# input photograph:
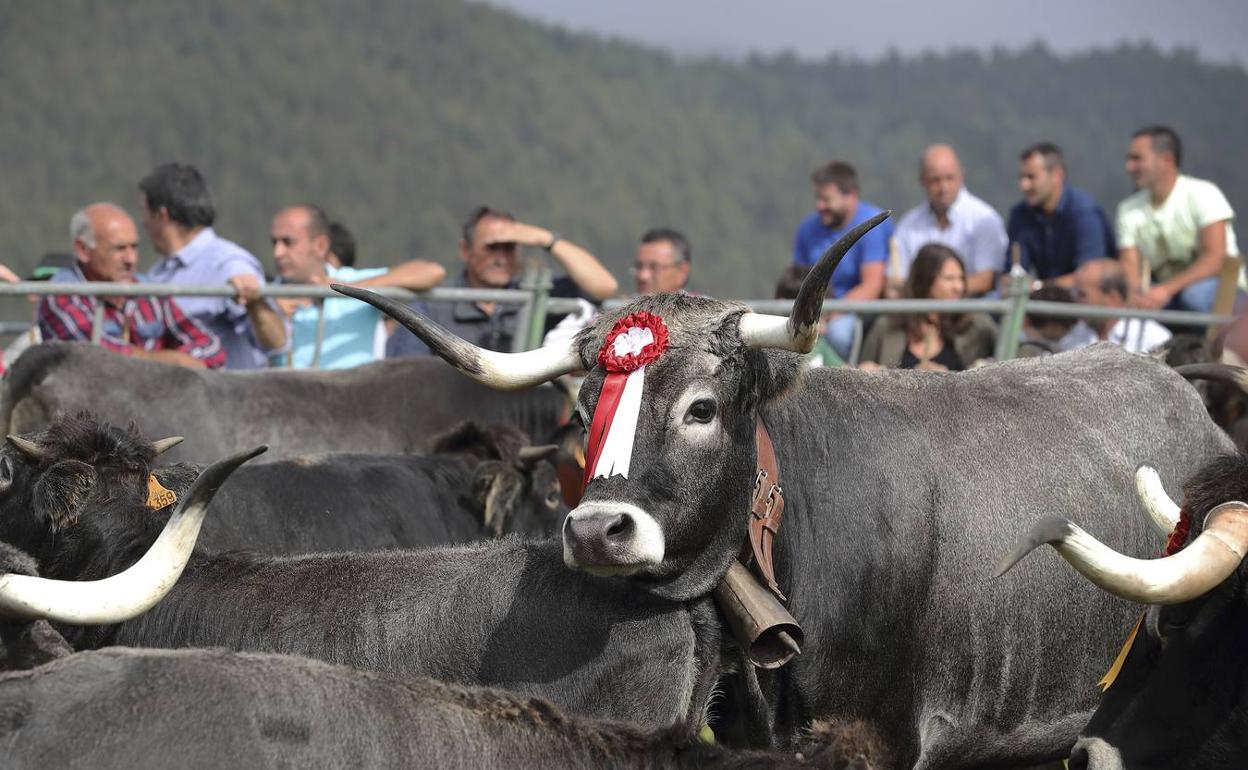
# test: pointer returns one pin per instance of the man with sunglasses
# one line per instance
(490, 250)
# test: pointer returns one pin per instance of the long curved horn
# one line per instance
(137, 589)
(504, 371)
(799, 331)
(165, 444)
(1162, 511)
(26, 447)
(1192, 572)
(1236, 376)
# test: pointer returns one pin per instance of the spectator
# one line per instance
(177, 213)
(1104, 282)
(663, 261)
(1042, 334)
(1057, 227)
(937, 342)
(1179, 225)
(341, 246)
(860, 275)
(955, 218)
(301, 241)
(788, 287)
(490, 248)
(106, 246)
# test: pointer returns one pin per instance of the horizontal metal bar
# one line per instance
(887, 306)
(1177, 317)
(559, 305)
(104, 289)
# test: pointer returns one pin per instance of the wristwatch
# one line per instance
(554, 238)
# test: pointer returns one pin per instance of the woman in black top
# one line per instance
(938, 342)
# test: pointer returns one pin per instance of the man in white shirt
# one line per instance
(953, 217)
(1177, 225)
(1103, 282)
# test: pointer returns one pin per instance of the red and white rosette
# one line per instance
(634, 341)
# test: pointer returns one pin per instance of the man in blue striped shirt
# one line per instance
(177, 213)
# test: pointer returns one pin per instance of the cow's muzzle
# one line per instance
(611, 538)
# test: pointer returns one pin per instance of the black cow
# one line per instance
(896, 484)
(504, 612)
(389, 407)
(1180, 699)
(140, 708)
(478, 483)
(132, 709)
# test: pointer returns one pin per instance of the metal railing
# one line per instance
(536, 304)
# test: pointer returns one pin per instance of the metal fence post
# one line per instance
(97, 322)
(1012, 323)
(528, 283)
(537, 321)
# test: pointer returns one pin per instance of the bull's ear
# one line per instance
(61, 491)
(498, 490)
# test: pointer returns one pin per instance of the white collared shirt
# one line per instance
(1133, 334)
(976, 232)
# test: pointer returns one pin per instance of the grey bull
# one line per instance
(391, 406)
(900, 488)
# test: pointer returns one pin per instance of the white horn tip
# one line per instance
(1161, 510)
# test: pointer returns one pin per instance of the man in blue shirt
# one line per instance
(346, 327)
(177, 213)
(861, 273)
(1057, 227)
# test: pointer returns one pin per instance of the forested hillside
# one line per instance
(398, 117)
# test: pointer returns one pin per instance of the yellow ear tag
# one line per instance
(1107, 681)
(157, 496)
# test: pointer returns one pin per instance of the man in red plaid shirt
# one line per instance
(106, 244)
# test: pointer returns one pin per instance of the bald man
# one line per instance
(951, 216)
(302, 236)
(1104, 282)
(106, 248)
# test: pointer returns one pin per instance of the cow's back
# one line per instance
(503, 613)
(900, 505)
(393, 406)
(343, 502)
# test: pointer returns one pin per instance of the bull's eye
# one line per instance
(702, 410)
(553, 499)
(6, 474)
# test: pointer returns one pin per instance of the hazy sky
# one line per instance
(1215, 28)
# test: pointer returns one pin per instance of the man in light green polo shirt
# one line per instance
(1180, 224)
(347, 327)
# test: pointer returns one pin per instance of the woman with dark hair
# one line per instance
(936, 342)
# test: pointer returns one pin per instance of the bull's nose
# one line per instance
(615, 539)
(609, 529)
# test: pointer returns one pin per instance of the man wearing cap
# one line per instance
(490, 249)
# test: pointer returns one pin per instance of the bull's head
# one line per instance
(1178, 699)
(515, 487)
(131, 592)
(50, 479)
(676, 519)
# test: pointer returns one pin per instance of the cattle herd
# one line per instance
(482, 568)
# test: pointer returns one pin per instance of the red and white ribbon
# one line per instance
(633, 342)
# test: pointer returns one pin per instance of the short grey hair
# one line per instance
(80, 228)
